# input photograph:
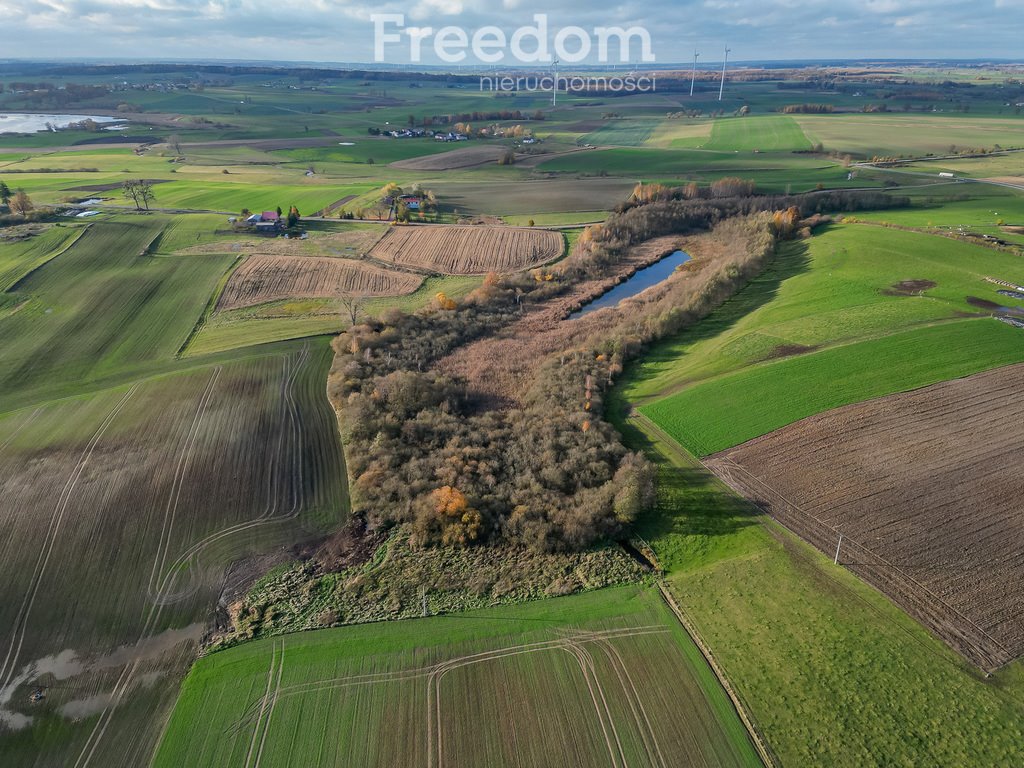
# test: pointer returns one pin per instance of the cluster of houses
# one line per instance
(419, 133)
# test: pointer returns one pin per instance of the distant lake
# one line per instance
(21, 122)
(641, 280)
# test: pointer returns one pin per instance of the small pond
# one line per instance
(23, 122)
(641, 280)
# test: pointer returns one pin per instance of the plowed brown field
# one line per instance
(264, 278)
(925, 488)
(471, 250)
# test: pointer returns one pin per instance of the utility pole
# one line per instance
(838, 545)
(693, 73)
(721, 87)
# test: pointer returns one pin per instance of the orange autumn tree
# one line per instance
(460, 523)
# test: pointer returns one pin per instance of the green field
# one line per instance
(832, 672)
(622, 133)
(102, 308)
(608, 676)
(838, 287)
(732, 409)
(892, 134)
(19, 258)
(778, 133)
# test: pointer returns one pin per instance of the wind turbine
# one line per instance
(693, 74)
(554, 89)
(721, 87)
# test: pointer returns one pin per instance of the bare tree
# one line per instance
(352, 308)
(139, 191)
(174, 142)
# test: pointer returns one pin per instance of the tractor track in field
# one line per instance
(604, 715)
(257, 714)
(270, 711)
(9, 665)
(163, 596)
(639, 711)
(182, 467)
(263, 704)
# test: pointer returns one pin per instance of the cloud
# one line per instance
(341, 30)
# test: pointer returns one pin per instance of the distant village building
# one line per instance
(268, 221)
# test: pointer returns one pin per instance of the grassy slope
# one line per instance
(833, 673)
(776, 133)
(827, 293)
(101, 307)
(20, 258)
(550, 713)
(729, 410)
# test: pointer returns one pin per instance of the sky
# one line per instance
(344, 30)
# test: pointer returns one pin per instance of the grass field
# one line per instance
(622, 133)
(840, 286)
(605, 677)
(887, 135)
(832, 672)
(777, 133)
(20, 258)
(102, 307)
(732, 409)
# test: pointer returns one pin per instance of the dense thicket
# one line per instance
(549, 473)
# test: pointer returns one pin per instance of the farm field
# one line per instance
(849, 282)
(263, 278)
(295, 319)
(166, 441)
(607, 677)
(923, 488)
(872, 135)
(530, 197)
(728, 410)
(778, 133)
(468, 250)
(165, 481)
(19, 258)
(102, 307)
(831, 670)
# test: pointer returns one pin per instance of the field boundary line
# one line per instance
(17, 283)
(211, 305)
(763, 751)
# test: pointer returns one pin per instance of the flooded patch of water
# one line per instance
(32, 122)
(87, 707)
